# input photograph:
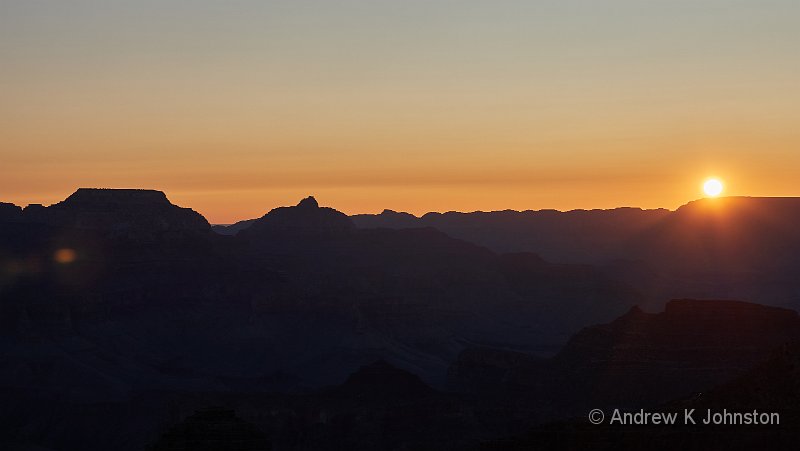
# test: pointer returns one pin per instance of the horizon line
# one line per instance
(389, 210)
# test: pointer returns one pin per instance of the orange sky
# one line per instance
(414, 106)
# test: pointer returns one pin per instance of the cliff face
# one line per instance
(771, 386)
(690, 331)
(644, 359)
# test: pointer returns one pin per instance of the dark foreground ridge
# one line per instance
(771, 387)
(638, 359)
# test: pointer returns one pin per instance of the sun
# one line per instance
(712, 187)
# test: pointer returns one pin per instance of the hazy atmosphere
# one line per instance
(254, 225)
(237, 107)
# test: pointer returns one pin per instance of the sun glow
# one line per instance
(712, 187)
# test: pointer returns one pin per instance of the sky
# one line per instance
(236, 107)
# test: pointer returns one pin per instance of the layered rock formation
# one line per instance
(109, 294)
(771, 387)
(642, 358)
(412, 296)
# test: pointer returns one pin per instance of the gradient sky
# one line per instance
(235, 107)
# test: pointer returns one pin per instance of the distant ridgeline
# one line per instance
(732, 233)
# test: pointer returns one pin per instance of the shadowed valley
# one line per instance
(136, 324)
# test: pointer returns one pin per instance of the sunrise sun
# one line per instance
(712, 187)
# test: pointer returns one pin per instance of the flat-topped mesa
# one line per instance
(120, 211)
(105, 197)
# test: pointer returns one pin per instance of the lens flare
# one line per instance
(64, 256)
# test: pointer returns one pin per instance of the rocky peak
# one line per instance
(389, 219)
(308, 203)
(306, 218)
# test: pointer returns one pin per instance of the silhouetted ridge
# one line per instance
(118, 211)
(731, 310)
(771, 386)
(213, 429)
(309, 203)
(382, 380)
(10, 212)
(730, 234)
(745, 204)
(306, 218)
(114, 198)
(720, 330)
(232, 229)
(577, 236)
(641, 358)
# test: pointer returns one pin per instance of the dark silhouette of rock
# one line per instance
(112, 303)
(485, 370)
(743, 247)
(731, 234)
(232, 229)
(121, 210)
(124, 213)
(710, 235)
(577, 236)
(643, 359)
(213, 429)
(306, 218)
(770, 387)
(309, 203)
(380, 380)
(9, 212)
(714, 234)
